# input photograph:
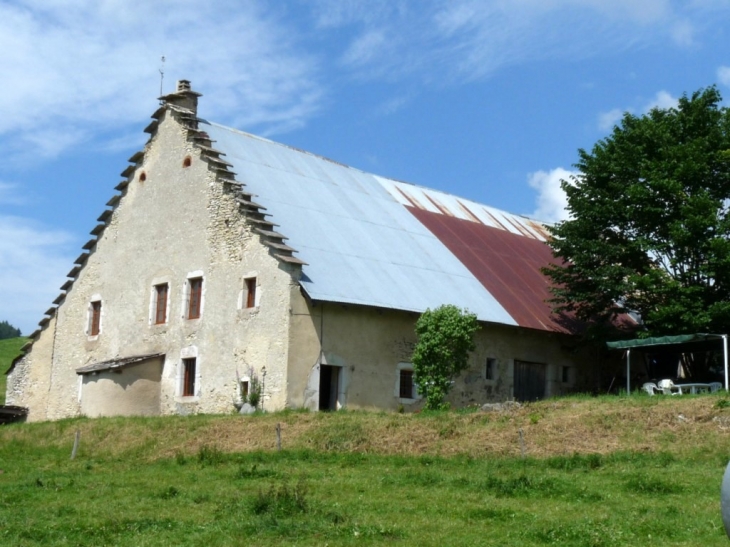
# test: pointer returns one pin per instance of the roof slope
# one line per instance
(379, 242)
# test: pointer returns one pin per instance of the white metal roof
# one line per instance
(360, 243)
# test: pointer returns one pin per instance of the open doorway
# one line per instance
(329, 387)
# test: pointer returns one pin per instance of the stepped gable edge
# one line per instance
(182, 104)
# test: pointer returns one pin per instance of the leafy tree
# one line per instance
(8, 331)
(445, 338)
(649, 226)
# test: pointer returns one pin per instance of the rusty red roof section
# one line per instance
(505, 263)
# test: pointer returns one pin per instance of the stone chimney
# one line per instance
(183, 97)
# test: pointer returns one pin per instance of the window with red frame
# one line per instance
(188, 386)
(251, 292)
(196, 297)
(95, 318)
(161, 292)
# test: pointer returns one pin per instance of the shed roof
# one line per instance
(117, 363)
(677, 343)
(379, 242)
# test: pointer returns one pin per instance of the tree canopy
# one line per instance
(8, 331)
(649, 226)
(445, 338)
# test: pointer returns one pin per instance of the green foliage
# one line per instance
(650, 225)
(254, 394)
(8, 331)
(255, 388)
(445, 338)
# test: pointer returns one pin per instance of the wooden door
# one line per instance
(529, 381)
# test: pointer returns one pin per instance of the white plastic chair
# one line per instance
(668, 387)
(651, 388)
(715, 386)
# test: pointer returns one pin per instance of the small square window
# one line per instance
(95, 318)
(188, 380)
(250, 292)
(490, 372)
(160, 309)
(195, 298)
(406, 384)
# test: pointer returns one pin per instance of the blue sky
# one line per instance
(485, 99)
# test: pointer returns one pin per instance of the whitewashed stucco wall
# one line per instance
(176, 222)
(369, 344)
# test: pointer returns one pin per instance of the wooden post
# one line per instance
(77, 438)
(278, 437)
(522, 444)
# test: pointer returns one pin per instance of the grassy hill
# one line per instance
(576, 471)
(596, 472)
(9, 350)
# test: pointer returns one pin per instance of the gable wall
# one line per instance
(178, 221)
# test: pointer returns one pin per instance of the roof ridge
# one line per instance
(380, 177)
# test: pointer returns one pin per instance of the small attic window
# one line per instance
(142, 176)
(187, 162)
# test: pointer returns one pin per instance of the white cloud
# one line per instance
(393, 105)
(662, 100)
(723, 75)
(551, 199)
(606, 120)
(469, 39)
(34, 262)
(364, 48)
(9, 195)
(683, 34)
(73, 69)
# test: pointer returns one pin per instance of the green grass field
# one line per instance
(596, 472)
(131, 497)
(9, 350)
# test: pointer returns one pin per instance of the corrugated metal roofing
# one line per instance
(379, 242)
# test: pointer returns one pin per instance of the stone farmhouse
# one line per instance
(225, 257)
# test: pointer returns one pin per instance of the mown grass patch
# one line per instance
(317, 497)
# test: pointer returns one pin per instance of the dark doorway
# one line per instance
(329, 386)
(529, 381)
